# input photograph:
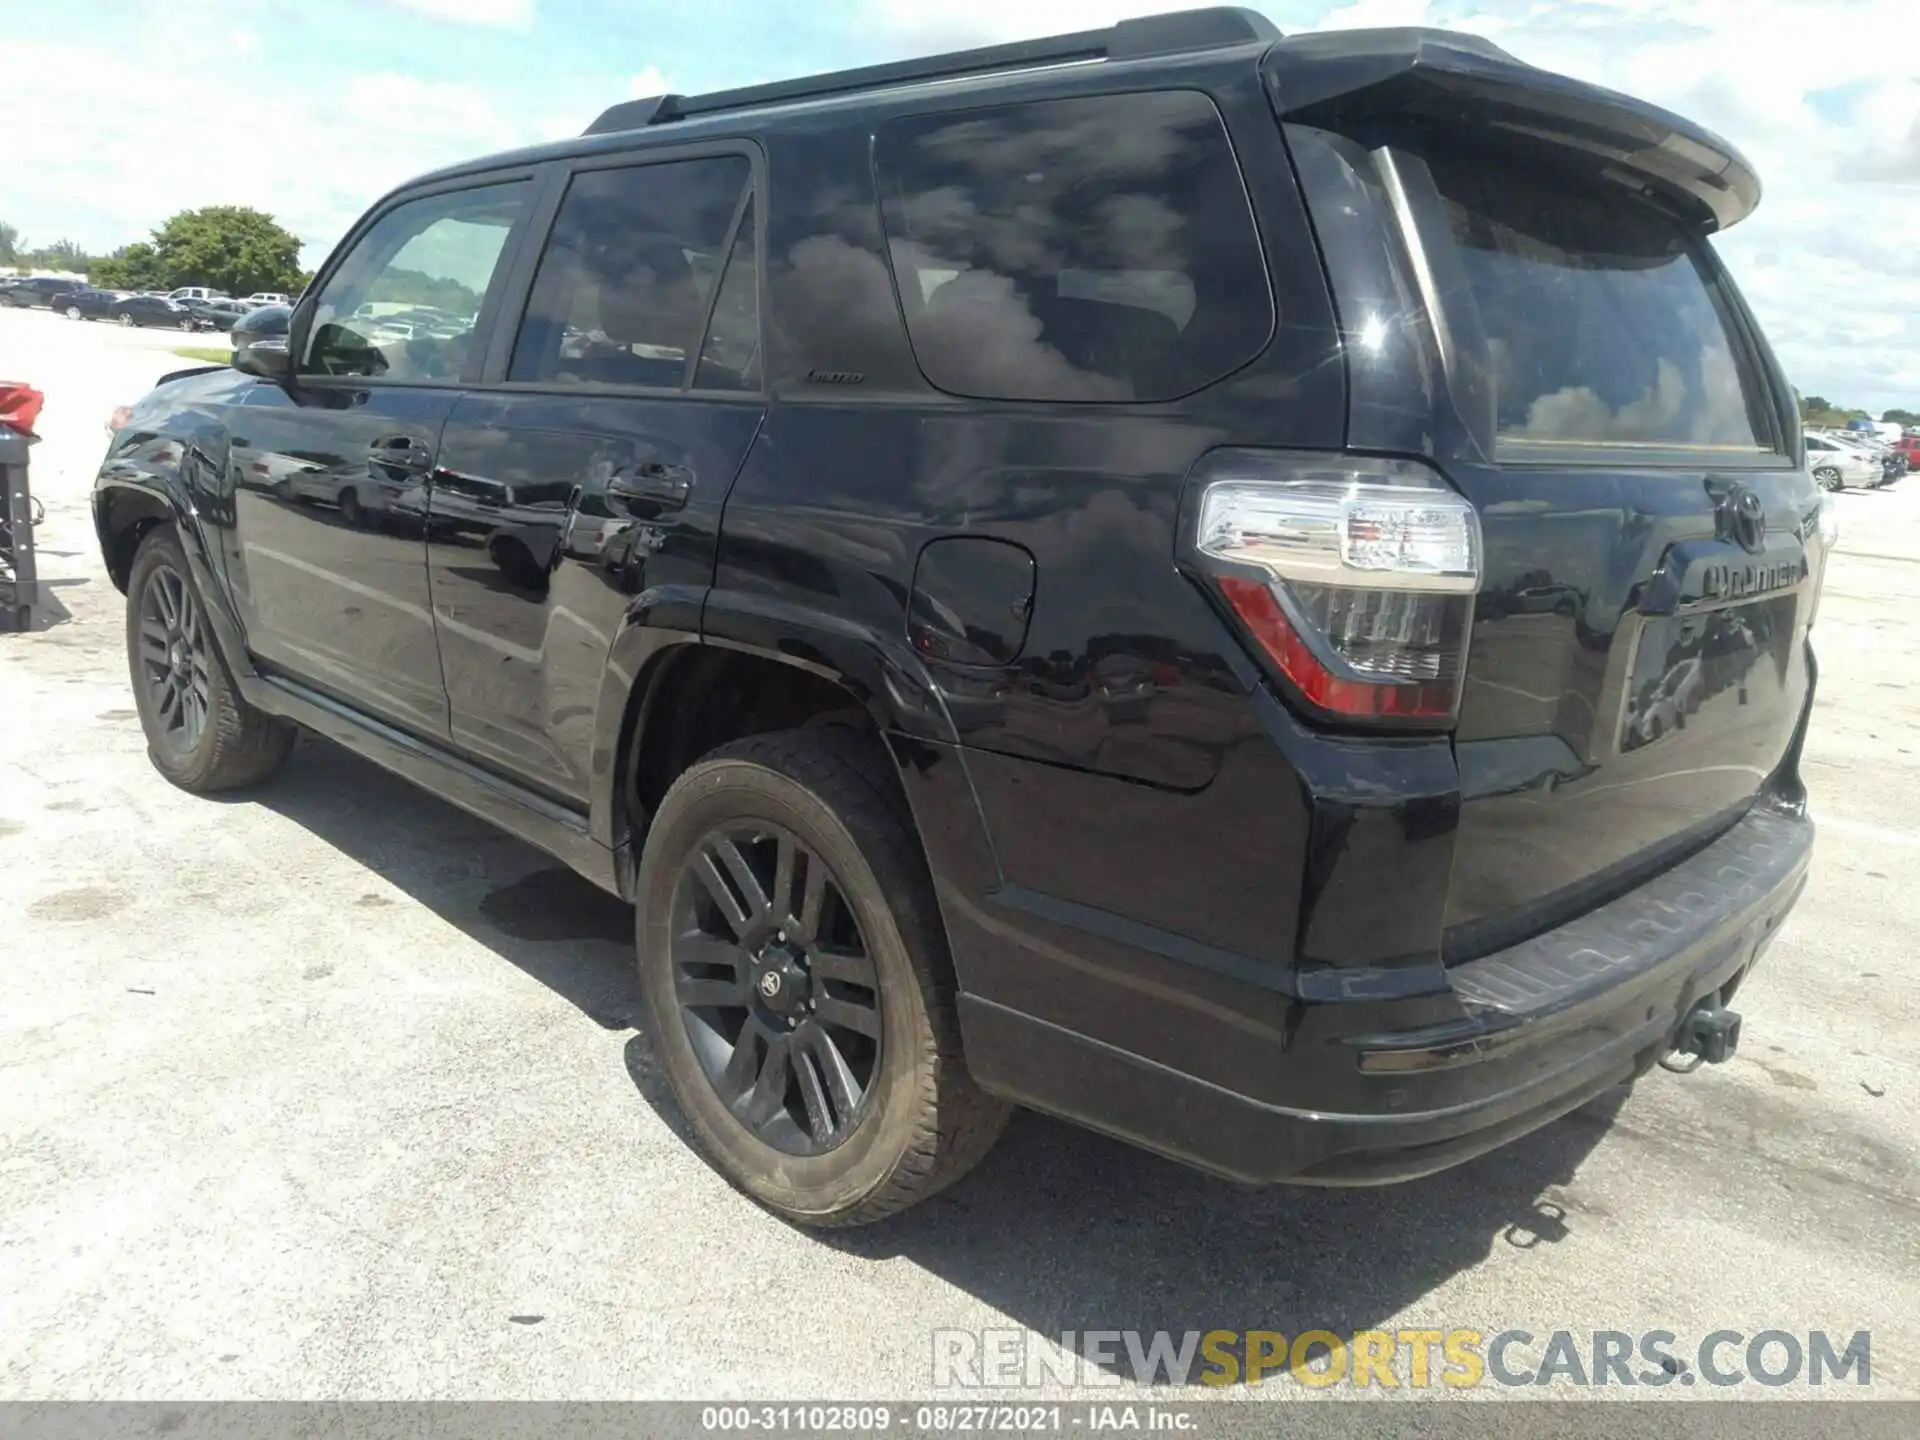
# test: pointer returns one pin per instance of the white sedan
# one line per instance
(1837, 466)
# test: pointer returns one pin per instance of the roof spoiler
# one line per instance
(1220, 27)
(1355, 81)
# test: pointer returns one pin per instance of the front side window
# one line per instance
(625, 283)
(1605, 324)
(404, 303)
(1086, 249)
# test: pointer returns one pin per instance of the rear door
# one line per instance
(1638, 661)
(590, 467)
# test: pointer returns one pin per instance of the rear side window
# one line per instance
(1604, 324)
(629, 275)
(1097, 249)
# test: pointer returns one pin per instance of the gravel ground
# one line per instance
(330, 1091)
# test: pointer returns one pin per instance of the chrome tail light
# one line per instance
(1353, 578)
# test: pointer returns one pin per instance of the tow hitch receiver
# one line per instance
(1710, 1034)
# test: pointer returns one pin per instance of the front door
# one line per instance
(329, 561)
(593, 469)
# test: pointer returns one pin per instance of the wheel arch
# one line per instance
(122, 516)
(674, 692)
(127, 507)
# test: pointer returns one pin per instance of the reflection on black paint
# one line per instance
(1090, 249)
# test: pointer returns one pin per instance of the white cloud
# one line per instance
(315, 166)
(648, 83)
(1819, 94)
(506, 14)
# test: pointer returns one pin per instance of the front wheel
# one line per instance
(201, 734)
(1829, 478)
(798, 985)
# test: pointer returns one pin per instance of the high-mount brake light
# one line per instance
(1354, 577)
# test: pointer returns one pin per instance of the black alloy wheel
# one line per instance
(776, 987)
(175, 662)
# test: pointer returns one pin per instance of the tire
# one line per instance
(232, 744)
(73, 313)
(920, 1122)
(187, 324)
(1829, 478)
(351, 509)
(125, 318)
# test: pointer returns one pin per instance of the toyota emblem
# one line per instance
(1743, 517)
(770, 984)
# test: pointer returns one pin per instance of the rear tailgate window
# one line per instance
(1605, 323)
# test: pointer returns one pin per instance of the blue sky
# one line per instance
(310, 110)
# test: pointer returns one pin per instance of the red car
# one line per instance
(1908, 446)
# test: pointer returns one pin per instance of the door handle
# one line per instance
(401, 452)
(664, 487)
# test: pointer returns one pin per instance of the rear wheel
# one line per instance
(125, 317)
(798, 984)
(350, 508)
(184, 323)
(1829, 478)
(200, 734)
(73, 312)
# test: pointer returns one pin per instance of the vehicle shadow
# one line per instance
(1065, 1232)
(519, 902)
(1059, 1229)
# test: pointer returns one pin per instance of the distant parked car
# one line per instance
(1837, 466)
(153, 310)
(194, 292)
(1892, 464)
(267, 297)
(37, 292)
(84, 302)
(221, 314)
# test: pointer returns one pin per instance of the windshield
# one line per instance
(1603, 324)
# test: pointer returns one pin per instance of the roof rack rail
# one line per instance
(1172, 34)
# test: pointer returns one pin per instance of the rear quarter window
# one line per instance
(1093, 249)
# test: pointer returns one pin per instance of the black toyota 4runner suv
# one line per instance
(1250, 592)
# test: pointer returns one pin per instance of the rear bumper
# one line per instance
(1535, 1031)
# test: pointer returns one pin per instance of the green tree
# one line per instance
(229, 247)
(131, 267)
(9, 244)
(1811, 403)
(415, 287)
(1900, 417)
(61, 255)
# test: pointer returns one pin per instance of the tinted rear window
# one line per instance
(1085, 249)
(1604, 323)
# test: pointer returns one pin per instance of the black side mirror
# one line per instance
(260, 343)
(267, 358)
